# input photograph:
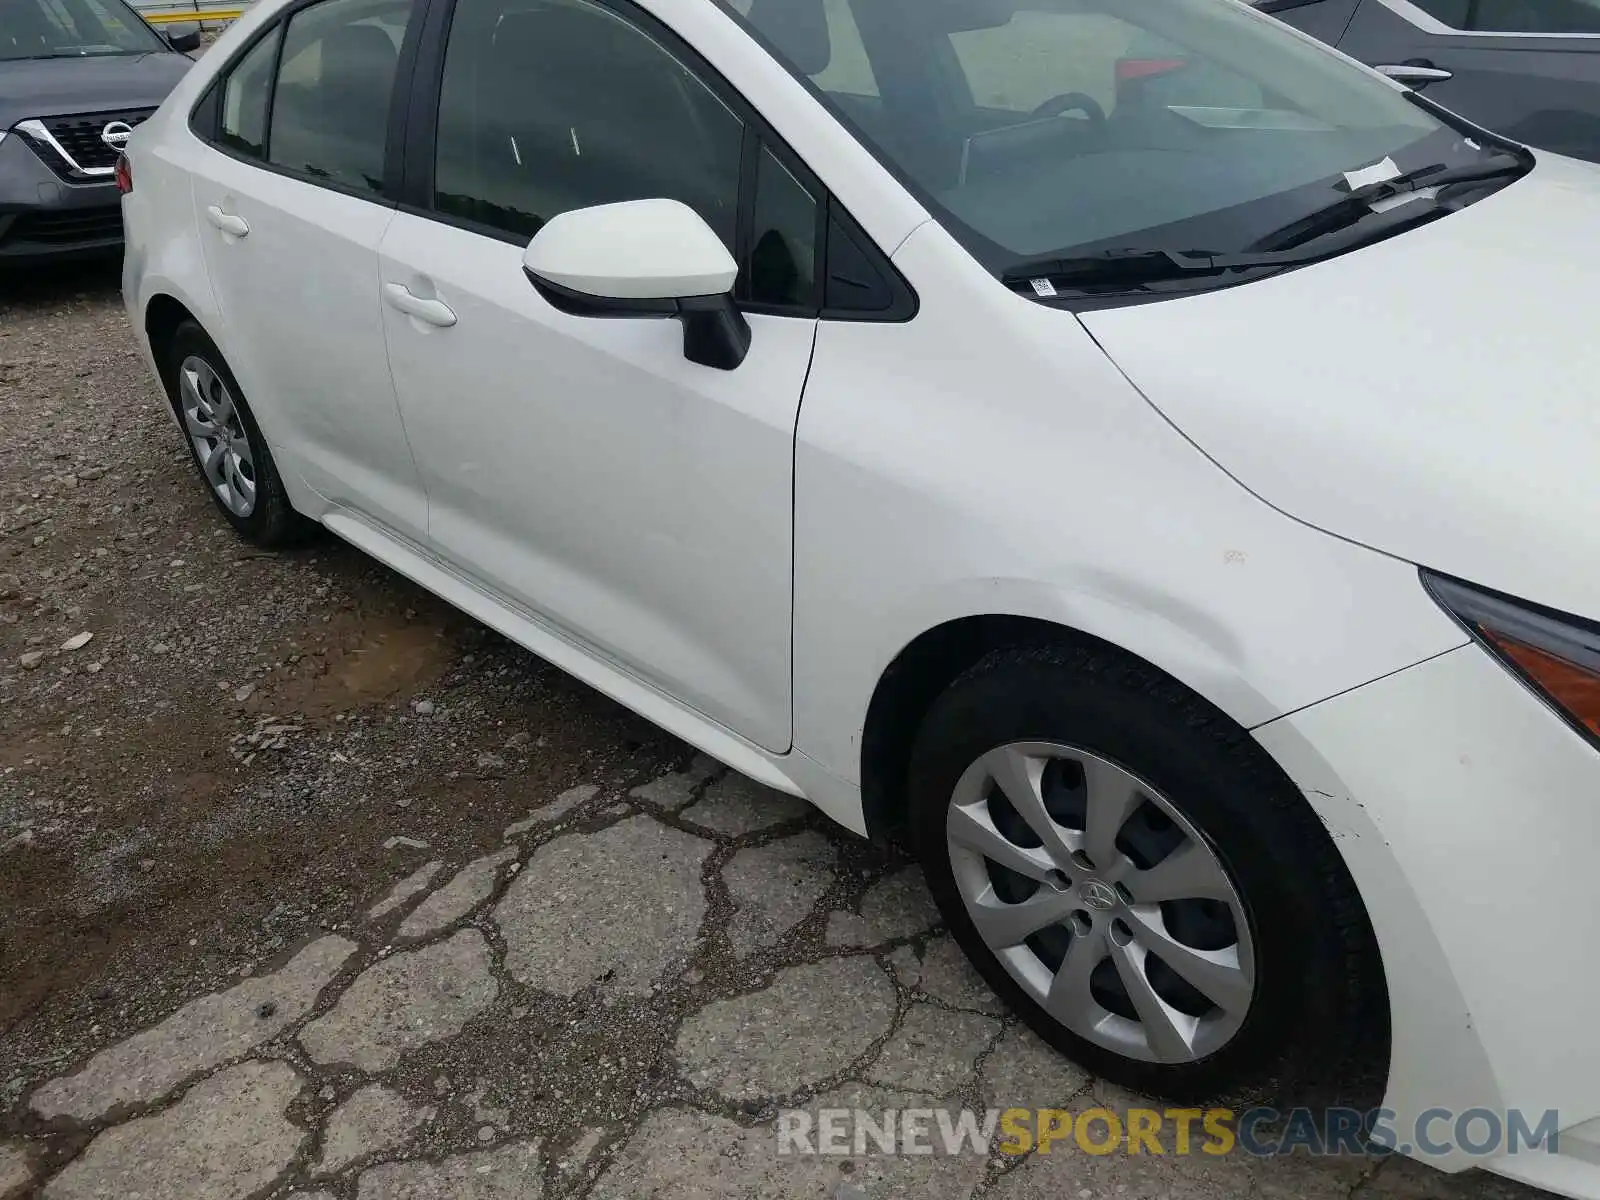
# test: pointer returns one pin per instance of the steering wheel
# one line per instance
(1069, 101)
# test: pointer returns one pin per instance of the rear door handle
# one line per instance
(434, 312)
(1415, 74)
(229, 224)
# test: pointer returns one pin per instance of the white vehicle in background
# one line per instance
(1173, 506)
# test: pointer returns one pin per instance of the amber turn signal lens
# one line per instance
(1572, 688)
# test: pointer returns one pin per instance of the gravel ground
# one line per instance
(310, 882)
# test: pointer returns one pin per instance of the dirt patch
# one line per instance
(148, 847)
(353, 660)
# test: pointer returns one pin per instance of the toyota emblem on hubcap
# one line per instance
(1097, 895)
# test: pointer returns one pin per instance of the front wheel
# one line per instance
(1136, 877)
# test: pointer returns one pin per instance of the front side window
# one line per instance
(1048, 129)
(781, 267)
(1516, 16)
(72, 29)
(330, 103)
(553, 105)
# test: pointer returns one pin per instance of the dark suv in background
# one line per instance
(75, 77)
(1529, 69)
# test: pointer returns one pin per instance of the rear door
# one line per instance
(1529, 69)
(291, 205)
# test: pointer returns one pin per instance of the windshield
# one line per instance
(72, 29)
(1056, 128)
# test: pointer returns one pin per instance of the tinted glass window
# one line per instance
(330, 109)
(1451, 12)
(244, 98)
(782, 265)
(71, 29)
(1535, 16)
(1516, 16)
(560, 104)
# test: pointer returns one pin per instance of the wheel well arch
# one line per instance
(936, 658)
(162, 317)
(927, 665)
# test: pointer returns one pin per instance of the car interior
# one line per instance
(1045, 123)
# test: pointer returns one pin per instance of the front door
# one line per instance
(583, 468)
(289, 205)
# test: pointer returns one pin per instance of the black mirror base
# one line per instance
(715, 332)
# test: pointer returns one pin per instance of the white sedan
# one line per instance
(1137, 455)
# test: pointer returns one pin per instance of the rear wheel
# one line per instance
(1129, 870)
(226, 444)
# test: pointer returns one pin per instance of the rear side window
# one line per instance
(244, 99)
(561, 104)
(1517, 16)
(330, 104)
(1451, 12)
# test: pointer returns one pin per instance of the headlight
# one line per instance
(1555, 654)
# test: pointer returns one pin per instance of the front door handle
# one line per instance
(1417, 75)
(229, 224)
(434, 312)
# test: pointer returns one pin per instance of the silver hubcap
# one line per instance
(1102, 901)
(217, 432)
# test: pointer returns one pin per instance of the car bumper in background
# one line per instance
(1469, 815)
(43, 217)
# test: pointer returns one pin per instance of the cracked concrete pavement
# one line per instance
(315, 889)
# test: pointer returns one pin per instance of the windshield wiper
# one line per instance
(1129, 269)
(1129, 266)
(1356, 204)
(72, 54)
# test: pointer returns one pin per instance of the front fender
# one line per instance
(987, 458)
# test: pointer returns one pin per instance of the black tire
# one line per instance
(1317, 1026)
(273, 523)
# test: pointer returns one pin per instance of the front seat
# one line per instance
(798, 29)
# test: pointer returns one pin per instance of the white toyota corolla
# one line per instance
(1144, 457)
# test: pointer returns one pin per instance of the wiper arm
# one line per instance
(1357, 204)
(1307, 240)
(1130, 265)
(1132, 268)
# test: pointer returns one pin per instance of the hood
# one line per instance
(1435, 396)
(58, 87)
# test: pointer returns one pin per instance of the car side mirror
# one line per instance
(183, 39)
(644, 258)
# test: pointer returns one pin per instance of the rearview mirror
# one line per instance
(183, 38)
(644, 258)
